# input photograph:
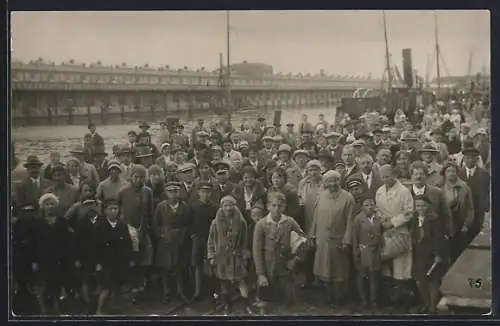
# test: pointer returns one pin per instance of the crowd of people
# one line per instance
(373, 210)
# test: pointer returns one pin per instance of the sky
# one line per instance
(339, 42)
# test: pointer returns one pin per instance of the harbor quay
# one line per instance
(68, 93)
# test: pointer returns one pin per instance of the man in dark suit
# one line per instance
(96, 140)
(254, 161)
(223, 186)
(350, 134)
(101, 163)
(367, 174)
(29, 190)
(186, 173)
(349, 158)
(199, 154)
(419, 187)
(179, 138)
(377, 143)
(333, 147)
(478, 180)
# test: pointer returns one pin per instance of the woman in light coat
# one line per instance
(395, 205)
(332, 228)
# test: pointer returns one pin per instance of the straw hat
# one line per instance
(296, 241)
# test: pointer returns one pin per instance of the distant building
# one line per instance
(463, 81)
(252, 70)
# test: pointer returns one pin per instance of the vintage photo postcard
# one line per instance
(250, 163)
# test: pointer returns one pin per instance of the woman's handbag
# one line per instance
(395, 244)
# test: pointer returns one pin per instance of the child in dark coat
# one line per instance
(22, 257)
(428, 253)
(82, 217)
(367, 245)
(170, 224)
(53, 254)
(201, 215)
(113, 251)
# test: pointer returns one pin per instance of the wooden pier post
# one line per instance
(71, 120)
(137, 113)
(89, 114)
(49, 115)
(153, 112)
(102, 115)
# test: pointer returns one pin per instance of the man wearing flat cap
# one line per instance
(200, 154)
(301, 157)
(307, 142)
(357, 187)
(186, 174)
(266, 153)
(333, 146)
(199, 127)
(125, 156)
(223, 186)
(136, 207)
(429, 155)
(437, 136)
(179, 138)
(110, 187)
(290, 135)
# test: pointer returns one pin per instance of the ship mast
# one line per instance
(387, 60)
(427, 70)
(437, 57)
(469, 68)
(228, 69)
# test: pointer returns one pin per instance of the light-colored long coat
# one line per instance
(308, 195)
(332, 226)
(228, 245)
(396, 206)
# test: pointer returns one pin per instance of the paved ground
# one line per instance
(312, 303)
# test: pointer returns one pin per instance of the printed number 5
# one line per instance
(476, 283)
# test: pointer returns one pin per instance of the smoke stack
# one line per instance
(407, 68)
